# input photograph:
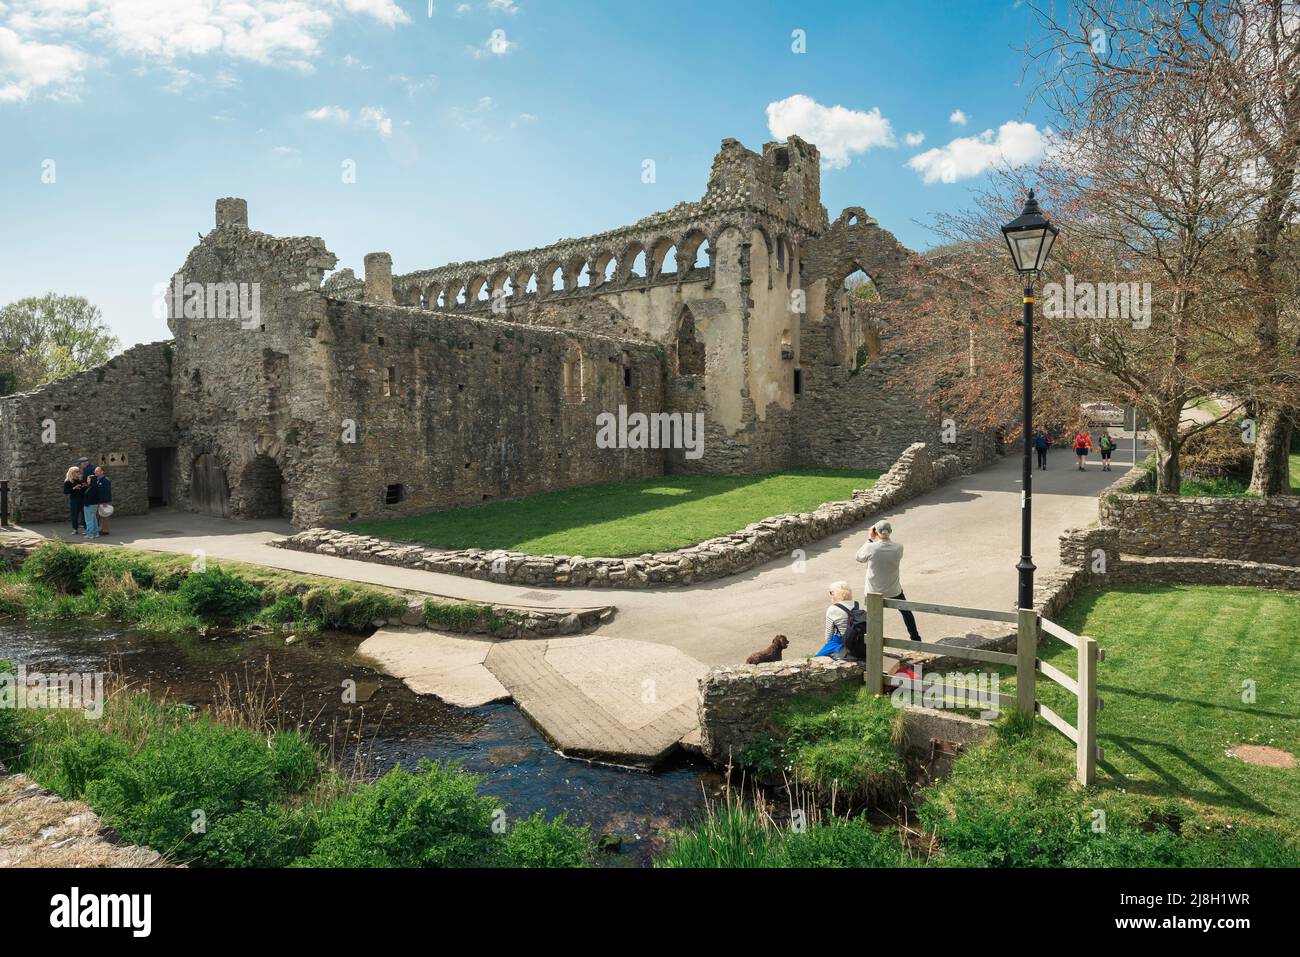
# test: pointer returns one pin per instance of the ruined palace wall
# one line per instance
(477, 409)
(111, 414)
(251, 394)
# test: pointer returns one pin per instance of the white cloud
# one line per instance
(503, 6)
(958, 118)
(283, 150)
(914, 139)
(1014, 145)
(414, 85)
(27, 66)
(330, 114)
(835, 130)
(377, 119)
(285, 33)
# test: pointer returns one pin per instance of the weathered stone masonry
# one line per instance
(111, 414)
(326, 400)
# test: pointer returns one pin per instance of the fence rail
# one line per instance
(1030, 626)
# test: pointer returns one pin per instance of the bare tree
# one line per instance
(1242, 57)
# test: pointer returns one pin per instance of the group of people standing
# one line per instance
(1082, 446)
(90, 498)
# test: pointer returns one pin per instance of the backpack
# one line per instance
(1107, 443)
(855, 636)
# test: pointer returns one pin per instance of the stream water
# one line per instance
(386, 725)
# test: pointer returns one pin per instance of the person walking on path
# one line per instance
(75, 489)
(104, 486)
(1041, 444)
(883, 558)
(1082, 446)
(1107, 445)
(91, 509)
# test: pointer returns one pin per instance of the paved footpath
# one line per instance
(962, 542)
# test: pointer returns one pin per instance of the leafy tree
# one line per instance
(45, 337)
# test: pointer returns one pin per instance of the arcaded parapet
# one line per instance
(113, 414)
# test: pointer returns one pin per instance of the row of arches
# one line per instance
(634, 264)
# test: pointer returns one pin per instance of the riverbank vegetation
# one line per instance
(625, 518)
(229, 789)
(1192, 674)
(167, 593)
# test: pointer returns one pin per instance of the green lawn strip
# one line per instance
(163, 593)
(626, 518)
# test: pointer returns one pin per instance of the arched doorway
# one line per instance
(261, 490)
(208, 489)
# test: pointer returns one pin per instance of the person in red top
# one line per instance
(1082, 445)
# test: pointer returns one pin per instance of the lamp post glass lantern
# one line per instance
(1029, 238)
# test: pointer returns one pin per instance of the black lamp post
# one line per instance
(1029, 237)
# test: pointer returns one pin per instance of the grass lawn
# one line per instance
(625, 518)
(1177, 659)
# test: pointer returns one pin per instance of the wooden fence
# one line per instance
(1029, 626)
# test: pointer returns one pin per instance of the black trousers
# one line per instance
(1042, 458)
(908, 618)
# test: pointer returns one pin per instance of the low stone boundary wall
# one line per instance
(1174, 526)
(1094, 556)
(913, 474)
(736, 704)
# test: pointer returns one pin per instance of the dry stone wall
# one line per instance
(736, 704)
(912, 475)
(1264, 530)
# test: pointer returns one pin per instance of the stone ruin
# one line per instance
(325, 400)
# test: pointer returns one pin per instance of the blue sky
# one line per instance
(491, 125)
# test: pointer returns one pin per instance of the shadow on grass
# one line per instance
(511, 523)
(1227, 795)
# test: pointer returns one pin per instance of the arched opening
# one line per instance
(584, 273)
(664, 259)
(555, 273)
(208, 489)
(859, 331)
(441, 299)
(606, 267)
(262, 490)
(703, 256)
(530, 285)
(638, 265)
(478, 289)
(689, 350)
(461, 296)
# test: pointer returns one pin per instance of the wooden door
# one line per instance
(208, 490)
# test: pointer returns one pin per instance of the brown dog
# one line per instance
(771, 653)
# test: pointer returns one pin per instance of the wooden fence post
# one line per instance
(1026, 659)
(875, 663)
(1086, 722)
